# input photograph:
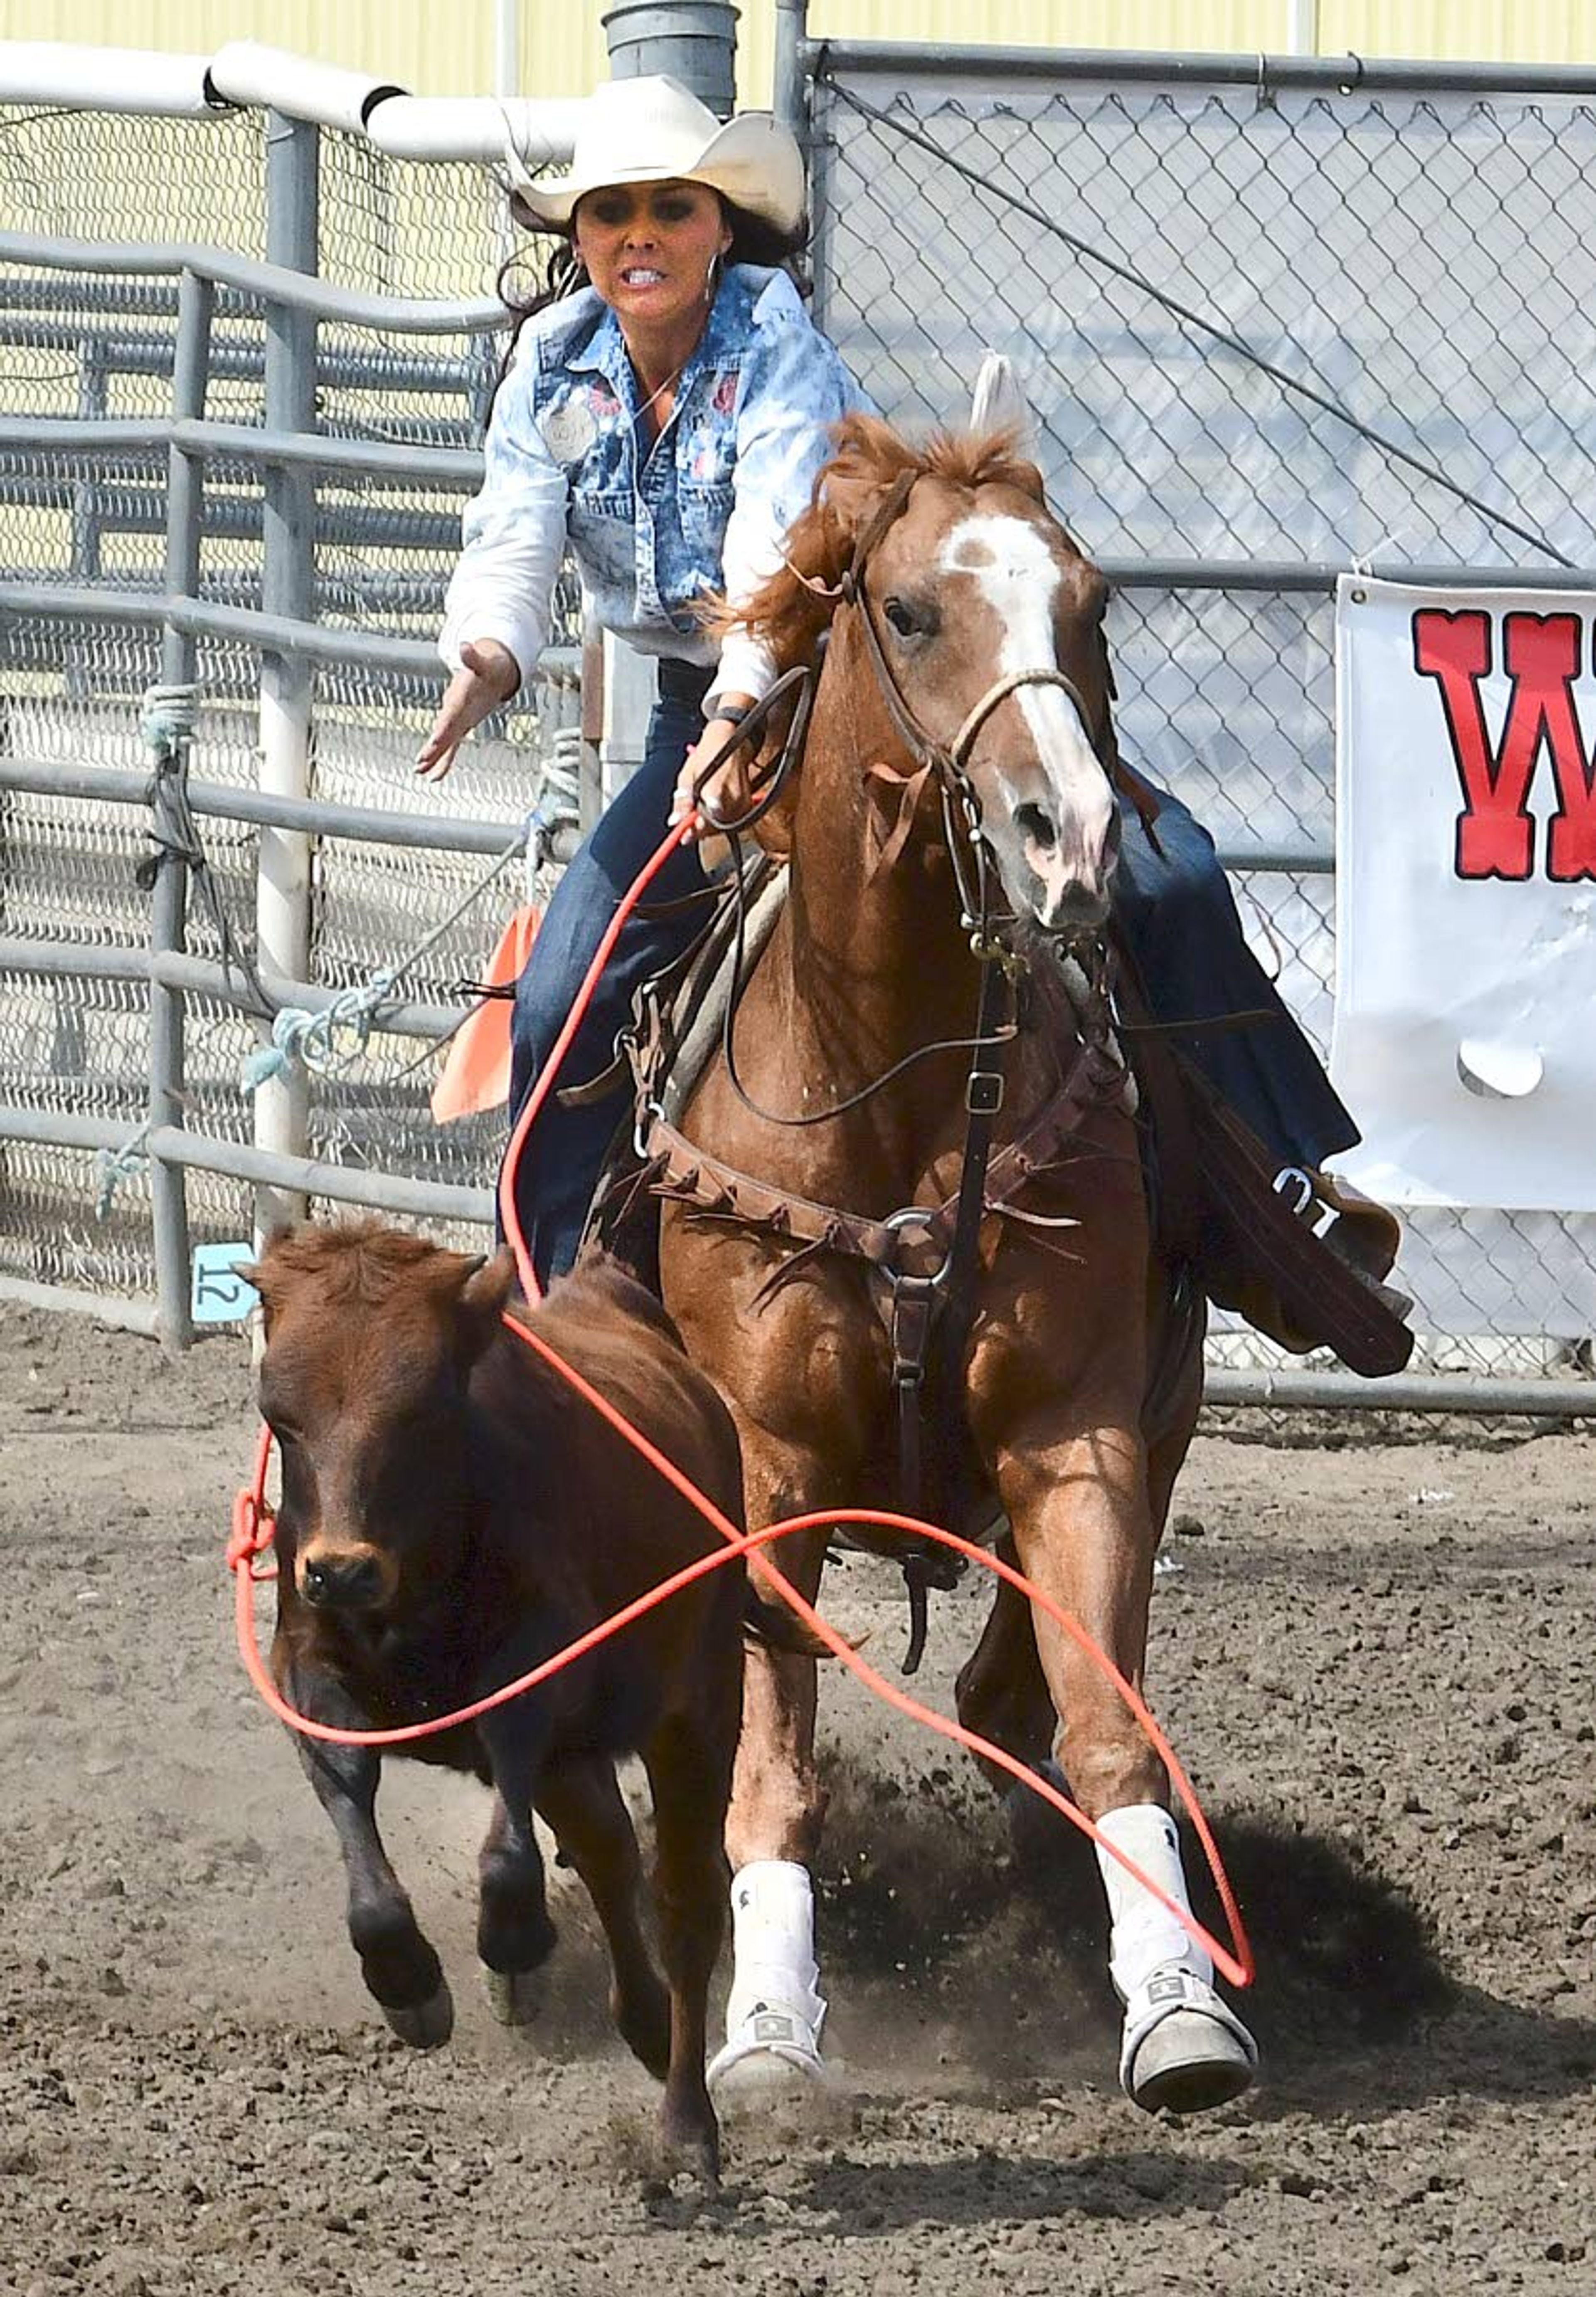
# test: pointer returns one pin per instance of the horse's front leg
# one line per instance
(1084, 1531)
(400, 1968)
(774, 2013)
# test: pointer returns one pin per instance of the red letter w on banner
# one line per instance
(1540, 655)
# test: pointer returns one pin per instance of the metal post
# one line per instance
(507, 48)
(168, 1197)
(789, 97)
(169, 906)
(1301, 28)
(288, 580)
(93, 399)
(695, 41)
(629, 698)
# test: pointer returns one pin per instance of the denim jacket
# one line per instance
(652, 530)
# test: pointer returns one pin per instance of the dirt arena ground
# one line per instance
(1377, 1661)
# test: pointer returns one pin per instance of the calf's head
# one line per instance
(370, 1338)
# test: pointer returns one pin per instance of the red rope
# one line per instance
(253, 1527)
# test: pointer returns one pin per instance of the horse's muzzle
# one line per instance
(1071, 882)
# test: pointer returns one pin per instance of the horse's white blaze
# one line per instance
(1018, 577)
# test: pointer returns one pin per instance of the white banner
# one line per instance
(1465, 1030)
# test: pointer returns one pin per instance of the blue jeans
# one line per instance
(1180, 920)
(1176, 909)
(566, 1146)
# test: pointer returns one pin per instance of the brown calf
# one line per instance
(452, 1514)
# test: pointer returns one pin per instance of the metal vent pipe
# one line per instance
(695, 41)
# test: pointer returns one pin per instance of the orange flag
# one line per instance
(476, 1075)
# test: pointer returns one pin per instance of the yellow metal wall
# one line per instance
(446, 46)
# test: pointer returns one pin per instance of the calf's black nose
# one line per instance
(335, 1582)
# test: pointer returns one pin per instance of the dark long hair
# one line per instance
(524, 291)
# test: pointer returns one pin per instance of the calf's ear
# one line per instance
(482, 1298)
(263, 1274)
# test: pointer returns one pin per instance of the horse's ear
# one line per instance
(1000, 411)
(998, 403)
(482, 1298)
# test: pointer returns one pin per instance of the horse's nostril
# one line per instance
(1033, 823)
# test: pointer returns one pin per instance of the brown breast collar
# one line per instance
(905, 1242)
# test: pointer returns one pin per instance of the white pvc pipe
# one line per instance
(248, 71)
(104, 79)
(541, 129)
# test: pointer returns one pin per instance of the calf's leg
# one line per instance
(400, 1970)
(514, 1935)
(689, 1761)
(582, 1803)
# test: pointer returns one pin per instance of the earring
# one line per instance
(711, 277)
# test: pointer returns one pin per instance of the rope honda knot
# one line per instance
(254, 1526)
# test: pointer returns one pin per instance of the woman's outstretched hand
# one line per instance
(487, 677)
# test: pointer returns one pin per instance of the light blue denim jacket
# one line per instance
(706, 509)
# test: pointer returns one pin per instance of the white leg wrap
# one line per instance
(1201, 2053)
(774, 2011)
(1144, 1935)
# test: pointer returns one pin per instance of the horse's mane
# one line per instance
(362, 1262)
(869, 458)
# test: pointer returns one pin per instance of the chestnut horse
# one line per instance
(964, 661)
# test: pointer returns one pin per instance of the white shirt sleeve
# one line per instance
(794, 388)
(514, 535)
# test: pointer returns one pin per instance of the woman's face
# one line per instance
(649, 249)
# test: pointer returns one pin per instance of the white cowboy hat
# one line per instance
(652, 129)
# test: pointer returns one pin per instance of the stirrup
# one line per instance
(1183, 2048)
(1364, 1234)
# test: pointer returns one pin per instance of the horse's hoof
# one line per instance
(1185, 2050)
(771, 2059)
(425, 2025)
(690, 2147)
(514, 1996)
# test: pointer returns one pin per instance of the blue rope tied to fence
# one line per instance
(326, 1041)
(119, 1165)
(169, 716)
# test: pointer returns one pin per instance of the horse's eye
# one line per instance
(901, 617)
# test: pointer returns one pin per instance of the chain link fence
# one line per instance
(1267, 329)
(89, 346)
(1267, 332)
